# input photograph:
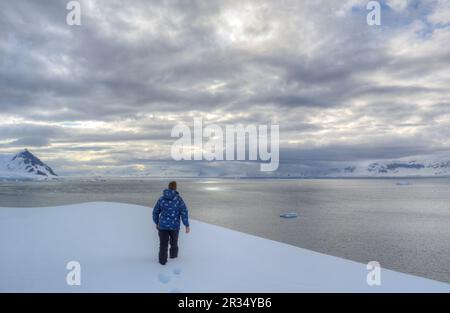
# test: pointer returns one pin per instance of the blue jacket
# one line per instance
(168, 211)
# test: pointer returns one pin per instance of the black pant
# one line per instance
(164, 237)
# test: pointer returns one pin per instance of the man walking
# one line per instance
(166, 215)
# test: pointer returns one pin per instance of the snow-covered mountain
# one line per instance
(395, 168)
(24, 165)
(386, 168)
(391, 168)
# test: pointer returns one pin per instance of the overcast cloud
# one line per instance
(106, 94)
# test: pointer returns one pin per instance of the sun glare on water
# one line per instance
(212, 188)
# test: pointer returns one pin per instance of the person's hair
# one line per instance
(173, 185)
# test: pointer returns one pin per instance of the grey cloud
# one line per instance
(318, 72)
(353, 153)
(35, 141)
(18, 130)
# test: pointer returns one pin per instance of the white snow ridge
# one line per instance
(116, 246)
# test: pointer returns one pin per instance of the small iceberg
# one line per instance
(289, 215)
(403, 183)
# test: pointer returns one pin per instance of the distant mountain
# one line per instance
(367, 169)
(363, 169)
(24, 165)
(397, 168)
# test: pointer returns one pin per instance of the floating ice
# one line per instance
(289, 215)
(403, 183)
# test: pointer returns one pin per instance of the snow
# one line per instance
(5, 172)
(15, 167)
(116, 246)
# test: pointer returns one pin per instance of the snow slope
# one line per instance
(116, 245)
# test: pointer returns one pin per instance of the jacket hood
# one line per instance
(169, 194)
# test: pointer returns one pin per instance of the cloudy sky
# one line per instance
(105, 95)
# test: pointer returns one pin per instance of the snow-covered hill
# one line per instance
(24, 165)
(116, 247)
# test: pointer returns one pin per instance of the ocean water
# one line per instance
(404, 227)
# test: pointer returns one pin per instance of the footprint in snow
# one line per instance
(163, 278)
(166, 278)
(177, 271)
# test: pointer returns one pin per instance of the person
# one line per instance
(166, 215)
